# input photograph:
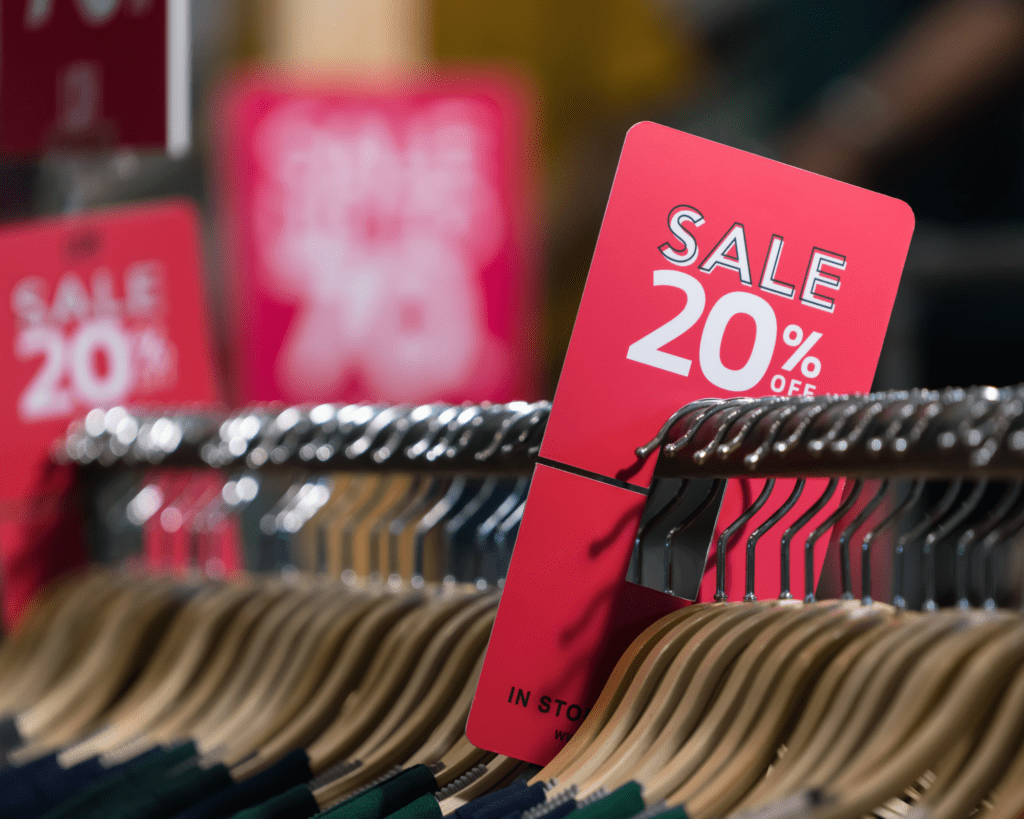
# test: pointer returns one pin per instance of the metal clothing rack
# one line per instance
(975, 433)
(971, 433)
(492, 439)
(956, 447)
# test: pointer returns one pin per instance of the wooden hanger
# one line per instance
(372, 653)
(238, 653)
(614, 690)
(752, 740)
(306, 542)
(71, 707)
(310, 661)
(362, 491)
(1007, 795)
(678, 729)
(822, 749)
(689, 683)
(383, 556)
(402, 532)
(386, 748)
(367, 626)
(297, 638)
(408, 671)
(667, 765)
(77, 623)
(452, 726)
(263, 661)
(919, 690)
(37, 622)
(175, 663)
(980, 681)
(393, 492)
(688, 638)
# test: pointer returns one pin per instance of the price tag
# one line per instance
(380, 240)
(103, 73)
(98, 310)
(716, 273)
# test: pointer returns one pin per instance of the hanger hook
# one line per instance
(940, 533)
(897, 513)
(797, 525)
(540, 412)
(725, 423)
(859, 425)
(517, 411)
(697, 423)
(805, 416)
(899, 553)
(847, 535)
(732, 529)
(852, 404)
(997, 536)
(753, 415)
(815, 534)
(682, 526)
(998, 513)
(645, 451)
(760, 531)
(751, 459)
(652, 523)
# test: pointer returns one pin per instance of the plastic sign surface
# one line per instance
(98, 310)
(379, 236)
(716, 273)
(104, 73)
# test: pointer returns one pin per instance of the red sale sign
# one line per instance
(103, 73)
(380, 242)
(716, 273)
(99, 310)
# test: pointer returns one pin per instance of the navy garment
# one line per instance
(291, 770)
(178, 790)
(9, 776)
(481, 803)
(46, 786)
(516, 798)
(128, 778)
(10, 736)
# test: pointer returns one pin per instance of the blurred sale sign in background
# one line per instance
(104, 73)
(380, 241)
(99, 310)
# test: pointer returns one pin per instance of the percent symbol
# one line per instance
(810, 366)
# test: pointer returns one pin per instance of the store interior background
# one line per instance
(922, 99)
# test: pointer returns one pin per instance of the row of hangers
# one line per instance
(843, 707)
(364, 678)
(352, 490)
(360, 640)
(768, 708)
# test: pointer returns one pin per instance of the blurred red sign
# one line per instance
(103, 73)
(379, 238)
(99, 310)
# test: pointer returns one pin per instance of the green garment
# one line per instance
(387, 797)
(426, 807)
(294, 803)
(621, 803)
(174, 793)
